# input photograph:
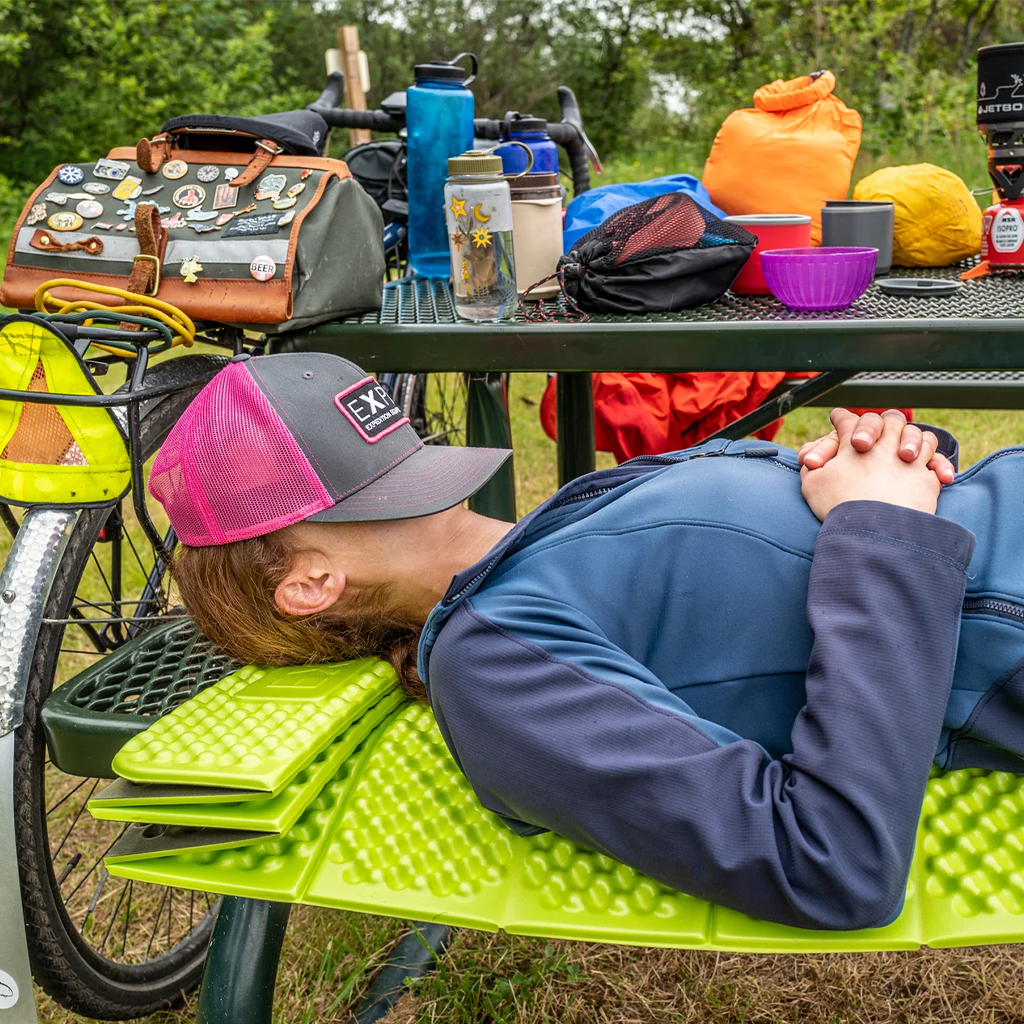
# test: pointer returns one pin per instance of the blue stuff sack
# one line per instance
(592, 208)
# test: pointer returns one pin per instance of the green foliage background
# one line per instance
(652, 76)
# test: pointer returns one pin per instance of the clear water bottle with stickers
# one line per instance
(478, 213)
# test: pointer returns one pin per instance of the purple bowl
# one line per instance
(822, 278)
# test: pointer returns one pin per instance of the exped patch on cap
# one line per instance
(274, 440)
(370, 409)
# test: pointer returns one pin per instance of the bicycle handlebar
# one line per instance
(568, 134)
(375, 120)
(333, 94)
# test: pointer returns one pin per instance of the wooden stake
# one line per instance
(355, 98)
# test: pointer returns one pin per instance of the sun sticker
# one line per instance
(481, 238)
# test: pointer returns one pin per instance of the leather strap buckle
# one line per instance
(155, 260)
(275, 151)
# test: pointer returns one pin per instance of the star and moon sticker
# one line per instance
(481, 236)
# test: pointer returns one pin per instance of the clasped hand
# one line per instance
(873, 458)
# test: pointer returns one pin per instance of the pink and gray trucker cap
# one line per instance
(273, 440)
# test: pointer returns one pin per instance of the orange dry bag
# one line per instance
(788, 154)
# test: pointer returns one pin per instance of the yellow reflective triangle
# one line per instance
(51, 454)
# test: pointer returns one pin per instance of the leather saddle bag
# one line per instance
(235, 220)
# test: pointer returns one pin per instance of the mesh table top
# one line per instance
(1000, 296)
(981, 327)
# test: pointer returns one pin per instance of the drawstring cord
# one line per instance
(537, 313)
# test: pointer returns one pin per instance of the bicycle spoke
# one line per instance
(103, 575)
(98, 642)
(104, 875)
(96, 864)
(127, 918)
(159, 914)
(56, 852)
(138, 560)
(113, 917)
(70, 793)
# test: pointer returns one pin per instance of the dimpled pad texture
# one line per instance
(276, 814)
(277, 869)
(406, 837)
(257, 728)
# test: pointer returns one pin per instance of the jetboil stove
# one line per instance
(1001, 124)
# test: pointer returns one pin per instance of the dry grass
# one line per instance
(497, 978)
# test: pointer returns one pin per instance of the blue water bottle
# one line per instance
(531, 132)
(439, 119)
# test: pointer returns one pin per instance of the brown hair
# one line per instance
(228, 590)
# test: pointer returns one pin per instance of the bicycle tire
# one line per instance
(64, 965)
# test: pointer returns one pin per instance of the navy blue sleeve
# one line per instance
(821, 838)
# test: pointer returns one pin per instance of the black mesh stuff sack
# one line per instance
(658, 256)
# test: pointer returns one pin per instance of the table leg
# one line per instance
(241, 966)
(575, 426)
(488, 426)
(414, 956)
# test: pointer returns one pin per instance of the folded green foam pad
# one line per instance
(255, 729)
(398, 831)
(212, 807)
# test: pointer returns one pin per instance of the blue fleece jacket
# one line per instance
(672, 662)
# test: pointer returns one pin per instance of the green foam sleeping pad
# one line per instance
(255, 729)
(398, 831)
(163, 805)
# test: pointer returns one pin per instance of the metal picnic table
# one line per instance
(964, 351)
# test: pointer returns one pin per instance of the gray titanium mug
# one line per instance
(852, 222)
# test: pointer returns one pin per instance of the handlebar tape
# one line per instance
(375, 120)
(565, 135)
(568, 137)
(333, 93)
(569, 107)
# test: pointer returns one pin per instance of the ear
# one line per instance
(312, 585)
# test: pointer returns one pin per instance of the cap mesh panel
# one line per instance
(230, 469)
(660, 225)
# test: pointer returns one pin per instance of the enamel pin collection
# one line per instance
(206, 202)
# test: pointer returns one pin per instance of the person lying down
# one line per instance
(731, 668)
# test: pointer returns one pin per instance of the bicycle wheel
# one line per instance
(435, 404)
(99, 946)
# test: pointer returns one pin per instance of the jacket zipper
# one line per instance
(585, 496)
(995, 606)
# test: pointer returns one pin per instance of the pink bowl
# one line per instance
(818, 279)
